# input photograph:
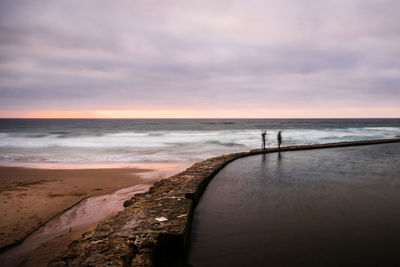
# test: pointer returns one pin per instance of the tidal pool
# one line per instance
(325, 207)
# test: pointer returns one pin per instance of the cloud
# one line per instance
(195, 54)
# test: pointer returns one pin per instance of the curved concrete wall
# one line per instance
(154, 227)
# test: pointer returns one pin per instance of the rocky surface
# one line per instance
(152, 222)
(153, 229)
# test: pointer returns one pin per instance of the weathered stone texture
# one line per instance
(131, 237)
(153, 228)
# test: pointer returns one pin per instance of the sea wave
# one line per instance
(141, 146)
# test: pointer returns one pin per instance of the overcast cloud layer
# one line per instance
(80, 55)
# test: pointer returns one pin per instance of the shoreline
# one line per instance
(148, 165)
(154, 228)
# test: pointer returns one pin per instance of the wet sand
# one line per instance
(41, 256)
(30, 197)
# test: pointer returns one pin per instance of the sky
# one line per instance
(200, 59)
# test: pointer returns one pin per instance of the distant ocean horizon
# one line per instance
(169, 140)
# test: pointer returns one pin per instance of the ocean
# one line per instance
(169, 140)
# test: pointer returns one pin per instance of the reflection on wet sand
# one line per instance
(85, 213)
(47, 192)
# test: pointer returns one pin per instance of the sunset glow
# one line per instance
(208, 59)
(222, 113)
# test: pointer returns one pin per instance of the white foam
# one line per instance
(166, 145)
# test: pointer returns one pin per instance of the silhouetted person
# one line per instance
(263, 134)
(279, 139)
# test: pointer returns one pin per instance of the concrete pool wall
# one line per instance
(154, 227)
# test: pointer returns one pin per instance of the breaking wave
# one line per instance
(112, 144)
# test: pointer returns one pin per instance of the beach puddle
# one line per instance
(85, 213)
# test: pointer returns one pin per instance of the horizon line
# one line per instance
(175, 118)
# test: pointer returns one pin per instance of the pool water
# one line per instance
(325, 207)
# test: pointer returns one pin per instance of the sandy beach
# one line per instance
(30, 197)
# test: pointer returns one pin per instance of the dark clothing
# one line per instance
(279, 139)
(263, 140)
(263, 134)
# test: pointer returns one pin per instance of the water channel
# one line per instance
(87, 212)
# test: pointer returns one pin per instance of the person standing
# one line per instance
(263, 134)
(279, 139)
